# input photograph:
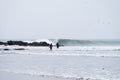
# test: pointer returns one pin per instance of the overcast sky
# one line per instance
(76, 19)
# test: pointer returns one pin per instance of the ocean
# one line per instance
(76, 60)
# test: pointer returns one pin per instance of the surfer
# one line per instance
(57, 45)
(51, 46)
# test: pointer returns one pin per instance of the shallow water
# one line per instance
(66, 63)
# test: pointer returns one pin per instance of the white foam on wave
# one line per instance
(41, 40)
(109, 51)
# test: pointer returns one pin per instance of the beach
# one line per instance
(66, 63)
(59, 39)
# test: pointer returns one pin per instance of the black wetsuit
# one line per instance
(57, 45)
(51, 46)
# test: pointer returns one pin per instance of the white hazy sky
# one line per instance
(77, 19)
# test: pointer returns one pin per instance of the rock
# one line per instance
(38, 44)
(6, 49)
(21, 43)
(2, 43)
(19, 49)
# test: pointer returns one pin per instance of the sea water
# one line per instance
(65, 63)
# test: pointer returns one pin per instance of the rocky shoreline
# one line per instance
(22, 43)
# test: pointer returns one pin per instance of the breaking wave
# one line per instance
(72, 42)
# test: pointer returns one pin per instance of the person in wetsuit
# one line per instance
(57, 45)
(51, 46)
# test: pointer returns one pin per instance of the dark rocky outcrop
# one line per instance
(2, 43)
(21, 43)
(6, 49)
(38, 44)
(19, 49)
